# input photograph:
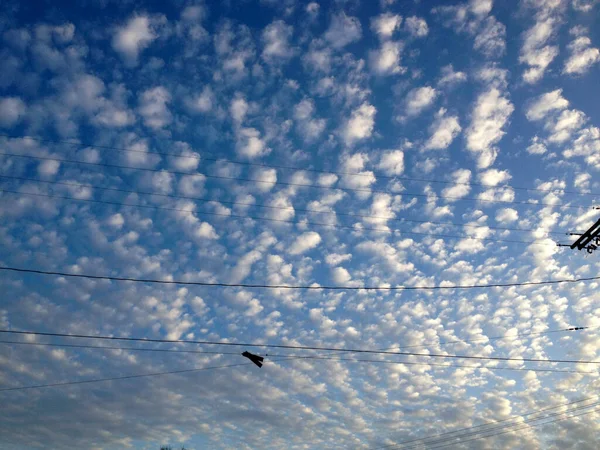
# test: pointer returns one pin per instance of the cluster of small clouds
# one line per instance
(334, 117)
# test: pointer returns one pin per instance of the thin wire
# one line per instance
(297, 347)
(460, 366)
(268, 219)
(527, 425)
(494, 422)
(284, 183)
(303, 287)
(293, 356)
(102, 347)
(275, 166)
(507, 428)
(283, 208)
(493, 338)
(516, 336)
(126, 377)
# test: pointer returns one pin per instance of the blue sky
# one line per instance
(443, 144)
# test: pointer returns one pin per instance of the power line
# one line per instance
(103, 347)
(283, 208)
(304, 287)
(285, 183)
(275, 166)
(492, 423)
(503, 429)
(298, 347)
(426, 344)
(293, 356)
(268, 219)
(459, 366)
(126, 377)
(284, 358)
(493, 338)
(527, 425)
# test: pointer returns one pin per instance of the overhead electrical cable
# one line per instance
(273, 207)
(282, 358)
(275, 166)
(126, 377)
(292, 184)
(269, 219)
(500, 430)
(299, 287)
(299, 347)
(561, 417)
(428, 344)
(447, 434)
(492, 338)
(453, 366)
(295, 356)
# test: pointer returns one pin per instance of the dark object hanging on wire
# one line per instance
(254, 358)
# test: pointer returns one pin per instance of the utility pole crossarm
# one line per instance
(585, 240)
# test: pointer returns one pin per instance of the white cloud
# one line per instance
(494, 177)
(386, 24)
(244, 266)
(249, 144)
(203, 102)
(481, 7)
(343, 30)
(450, 78)
(116, 221)
(305, 242)
(491, 40)
(507, 215)
(193, 13)
(192, 185)
(535, 53)
(153, 107)
(132, 38)
(546, 103)
(540, 59)
(334, 259)
(490, 114)
(205, 230)
(313, 8)
(386, 60)
(583, 56)
(587, 144)
(443, 131)
(268, 178)
(48, 168)
(238, 109)
(392, 162)
(584, 5)
(536, 147)
(492, 76)
(12, 110)
(563, 126)
(327, 179)
(310, 127)
(340, 275)
(360, 125)
(416, 26)
(186, 159)
(582, 181)
(275, 38)
(461, 177)
(318, 58)
(162, 182)
(419, 99)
